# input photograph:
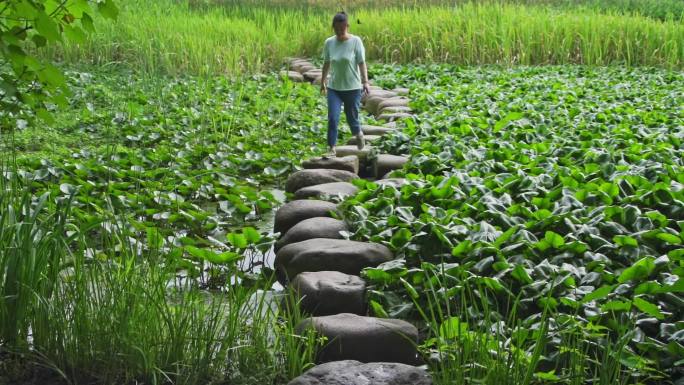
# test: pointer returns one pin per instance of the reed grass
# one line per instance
(124, 317)
(172, 37)
(469, 346)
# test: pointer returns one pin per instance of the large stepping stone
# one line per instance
(376, 130)
(347, 163)
(352, 372)
(395, 116)
(394, 109)
(303, 67)
(317, 227)
(401, 91)
(296, 211)
(377, 93)
(394, 182)
(373, 100)
(300, 61)
(342, 189)
(313, 74)
(365, 339)
(385, 163)
(368, 139)
(320, 254)
(399, 101)
(324, 293)
(292, 75)
(348, 150)
(314, 176)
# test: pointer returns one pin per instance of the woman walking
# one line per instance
(345, 58)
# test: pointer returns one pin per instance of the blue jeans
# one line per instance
(352, 102)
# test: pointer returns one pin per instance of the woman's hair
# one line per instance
(340, 17)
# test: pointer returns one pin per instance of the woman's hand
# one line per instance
(324, 89)
(366, 88)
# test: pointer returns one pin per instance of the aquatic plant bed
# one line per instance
(539, 236)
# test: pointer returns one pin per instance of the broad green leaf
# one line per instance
(638, 271)
(617, 306)
(520, 274)
(669, 238)
(409, 289)
(47, 27)
(624, 240)
(108, 9)
(462, 248)
(237, 240)
(401, 237)
(453, 328)
(511, 116)
(648, 308)
(251, 235)
(555, 240)
(677, 287)
(155, 240)
(378, 310)
(505, 236)
(547, 376)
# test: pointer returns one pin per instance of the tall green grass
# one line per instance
(467, 345)
(124, 317)
(172, 37)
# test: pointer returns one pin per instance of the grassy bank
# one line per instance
(177, 38)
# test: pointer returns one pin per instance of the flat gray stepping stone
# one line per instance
(394, 182)
(313, 74)
(343, 189)
(303, 67)
(348, 150)
(351, 372)
(373, 100)
(365, 339)
(394, 109)
(324, 293)
(368, 138)
(320, 254)
(317, 227)
(401, 91)
(347, 163)
(376, 130)
(385, 163)
(399, 101)
(292, 75)
(377, 93)
(296, 211)
(314, 176)
(395, 116)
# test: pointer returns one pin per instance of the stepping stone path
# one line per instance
(320, 254)
(316, 176)
(330, 292)
(341, 189)
(322, 268)
(294, 212)
(356, 373)
(365, 339)
(318, 227)
(346, 163)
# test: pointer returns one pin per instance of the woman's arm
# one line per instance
(324, 76)
(364, 77)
